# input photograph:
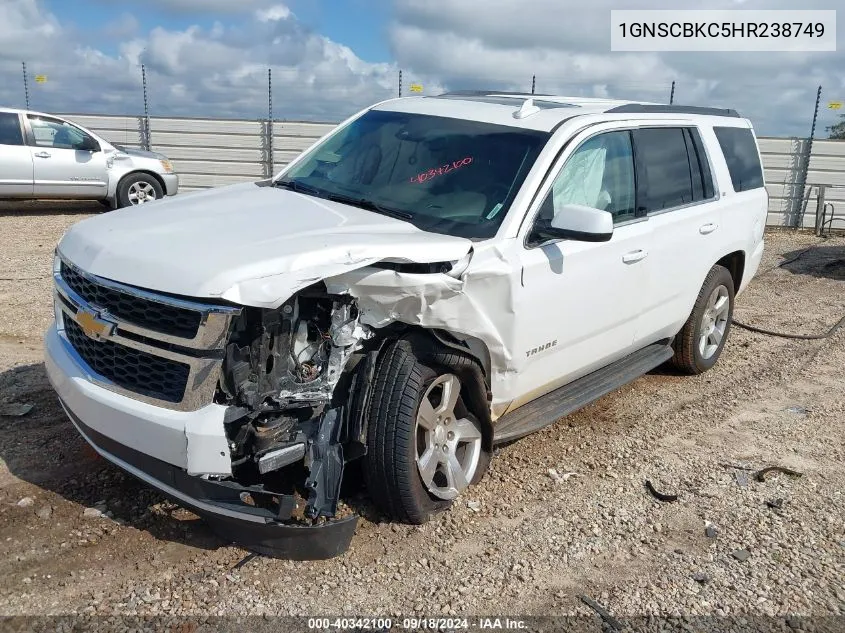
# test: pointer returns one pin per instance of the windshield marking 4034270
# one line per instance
(439, 171)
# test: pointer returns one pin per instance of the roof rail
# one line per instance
(638, 108)
(485, 93)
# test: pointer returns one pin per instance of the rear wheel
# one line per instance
(424, 446)
(700, 342)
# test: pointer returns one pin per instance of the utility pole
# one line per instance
(672, 94)
(400, 82)
(25, 85)
(533, 83)
(147, 142)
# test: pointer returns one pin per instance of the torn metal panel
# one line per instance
(480, 304)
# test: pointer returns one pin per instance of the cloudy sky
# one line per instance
(331, 57)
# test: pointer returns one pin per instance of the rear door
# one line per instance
(678, 195)
(744, 204)
(15, 158)
(62, 165)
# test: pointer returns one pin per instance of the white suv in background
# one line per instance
(43, 156)
(437, 275)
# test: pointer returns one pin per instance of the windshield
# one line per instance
(443, 175)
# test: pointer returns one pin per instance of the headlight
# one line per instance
(166, 166)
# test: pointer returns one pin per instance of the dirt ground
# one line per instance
(531, 542)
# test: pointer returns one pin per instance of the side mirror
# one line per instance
(580, 223)
(89, 144)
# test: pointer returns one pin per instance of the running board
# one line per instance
(548, 409)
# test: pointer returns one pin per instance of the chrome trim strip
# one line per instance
(199, 387)
(214, 319)
(211, 337)
(188, 304)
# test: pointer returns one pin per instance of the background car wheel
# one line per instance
(700, 342)
(424, 447)
(137, 189)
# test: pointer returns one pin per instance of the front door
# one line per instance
(63, 167)
(15, 159)
(580, 302)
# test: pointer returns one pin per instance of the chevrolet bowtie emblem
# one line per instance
(93, 325)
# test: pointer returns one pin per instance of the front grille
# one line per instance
(152, 315)
(129, 368)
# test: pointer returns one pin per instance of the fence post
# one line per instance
(672, 94)
(806, 166)
(820, 210)
(147, 143)
(270, 156)
(25, 85)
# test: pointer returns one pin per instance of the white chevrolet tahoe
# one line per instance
(436, 276)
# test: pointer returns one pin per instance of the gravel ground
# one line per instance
(561, 514)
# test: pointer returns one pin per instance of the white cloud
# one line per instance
(221, 70)
(500, 44)
(196, 71)
(201, 7)
(273, 14)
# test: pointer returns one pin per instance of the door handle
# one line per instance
(708, 228)
(634, 256)
(42, 155)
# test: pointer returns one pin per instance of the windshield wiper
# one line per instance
(298, 187)
(362, 203)
(369, 205)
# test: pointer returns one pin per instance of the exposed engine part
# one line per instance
(280, 457)
(294, 355)
(280, 373)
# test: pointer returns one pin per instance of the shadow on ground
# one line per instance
(817, 261)
(20, 208)
(44, 449)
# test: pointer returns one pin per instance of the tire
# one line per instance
(400, 438)
(137, 189)
(700, 342)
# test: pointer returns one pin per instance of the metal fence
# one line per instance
(213, 152)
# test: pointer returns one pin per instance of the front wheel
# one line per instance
(700, 342)
(138, 189)
(424, 447)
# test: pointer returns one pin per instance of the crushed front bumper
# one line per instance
(164, 464)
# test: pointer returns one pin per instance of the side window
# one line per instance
(599, 174)
(10, 129)
(56, 134)
(741, 155)
(702, 178)
(665, 166)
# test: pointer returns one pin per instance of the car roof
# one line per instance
(543, 113)
(22, 111)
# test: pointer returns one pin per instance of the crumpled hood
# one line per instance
(245, 243)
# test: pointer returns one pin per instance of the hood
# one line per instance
(245, 243)
(139, 153)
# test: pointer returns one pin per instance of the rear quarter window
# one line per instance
(741, 155)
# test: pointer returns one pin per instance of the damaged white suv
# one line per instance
(437, 275)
